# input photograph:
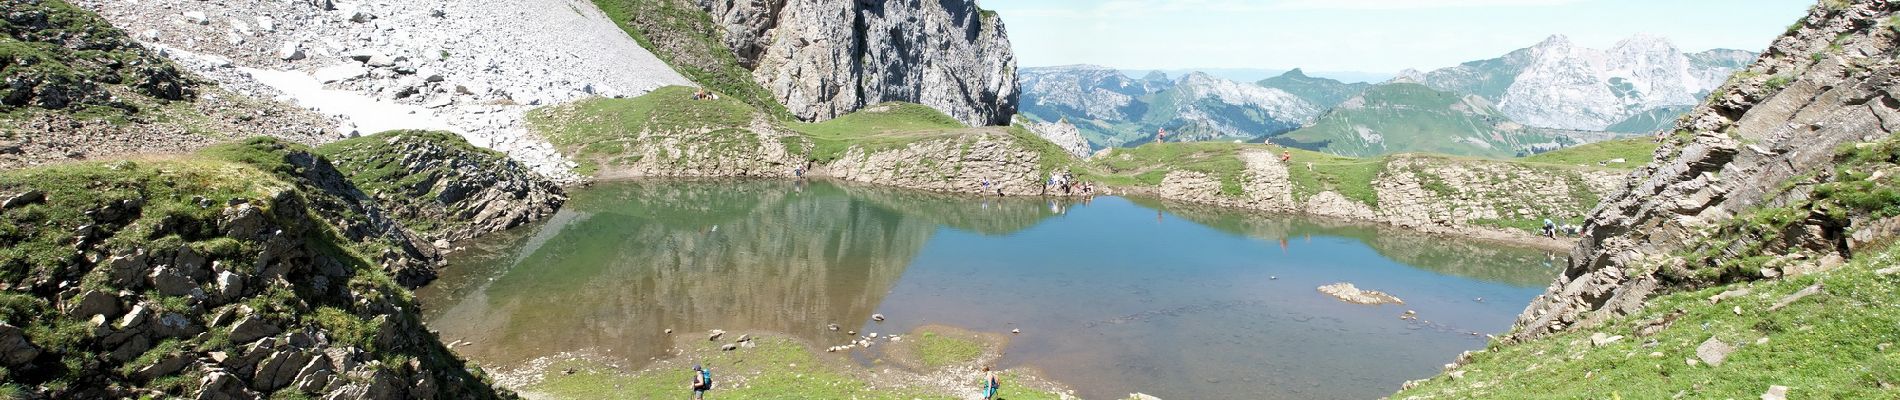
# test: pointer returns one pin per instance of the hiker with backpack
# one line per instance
(702, 381)
(990, 385)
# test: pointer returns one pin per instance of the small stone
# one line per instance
(1456, 375)
(265, 23)
(744, 338)
(833, 327)
(197, 17)
(1601, 339)
(291, 51)
(729, 347)
(715, 335)
(1015, 331)
(1775, 392)
(1797, 296)
(1762, 341)
(1655, 354)
(877, 317)
(669, 331)
(1713, 351)
(874, 335)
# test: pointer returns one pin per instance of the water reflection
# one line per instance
(625, 261)
(1186, 303)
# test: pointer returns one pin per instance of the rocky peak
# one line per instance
(826, 58)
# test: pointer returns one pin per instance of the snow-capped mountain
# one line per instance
(1558, 84)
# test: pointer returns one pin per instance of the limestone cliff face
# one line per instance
(1754, 174)
(827, 58)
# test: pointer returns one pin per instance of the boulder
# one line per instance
(23, 199)
(164, 366)
(1775, 392)
(93, 302)
(340, 73)
(278, 370)
(252, 328)
(197, 17)
(292, 51)
(220, 385)
(715, 334)
(14, 347)
(230, 285)
(170, 281)
(1351, 294)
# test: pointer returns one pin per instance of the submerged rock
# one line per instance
(1351, 294)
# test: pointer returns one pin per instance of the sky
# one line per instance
(1381, 36)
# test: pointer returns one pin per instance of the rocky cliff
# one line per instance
(1785, 171)
(249, 271)
(823, 59)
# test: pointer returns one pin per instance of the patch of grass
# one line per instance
(775, 369)
(1350, 177)
(1148, 165)
(1829, 345)
(1635, 152)
(874, 128)
(940, 350)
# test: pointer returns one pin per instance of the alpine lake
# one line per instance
(1111, 295)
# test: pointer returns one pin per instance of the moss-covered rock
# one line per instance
(219, 275)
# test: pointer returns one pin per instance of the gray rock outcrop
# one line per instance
(1063, 134)
(827, 58)
(1426, 193)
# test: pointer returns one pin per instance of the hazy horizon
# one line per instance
(1369, 37)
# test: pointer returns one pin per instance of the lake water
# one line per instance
(1113, 295)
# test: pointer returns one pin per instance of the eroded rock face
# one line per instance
(827, 58)
(1765, 140)
(1424, 193)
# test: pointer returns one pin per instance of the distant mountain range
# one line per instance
(1551, 95)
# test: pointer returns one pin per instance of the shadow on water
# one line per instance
(1114, 296)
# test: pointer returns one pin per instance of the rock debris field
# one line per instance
(471, 67)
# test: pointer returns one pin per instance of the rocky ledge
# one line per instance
(1467, 197)
(442, 188)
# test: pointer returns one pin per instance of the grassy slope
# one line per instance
(1326, 93)
(681, 33)
(1409, 118)
(1635, 151)
(604, 131)
(1836, 344)
(1829, 345)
